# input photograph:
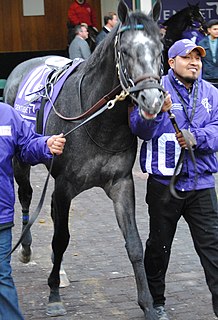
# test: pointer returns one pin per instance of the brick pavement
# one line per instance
(102, 285)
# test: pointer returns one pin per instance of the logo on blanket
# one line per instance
(34, 87)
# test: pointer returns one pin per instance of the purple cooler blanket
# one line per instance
(33, 88)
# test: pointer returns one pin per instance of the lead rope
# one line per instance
(188, 139)
(189, 142)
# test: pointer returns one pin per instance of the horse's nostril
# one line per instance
(143, 99)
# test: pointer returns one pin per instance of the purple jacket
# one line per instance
(160, 149)
(17, 138)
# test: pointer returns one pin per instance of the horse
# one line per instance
(177, 24)
(101, 153)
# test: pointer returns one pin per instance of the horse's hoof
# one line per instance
(55, 309)
(25, 255)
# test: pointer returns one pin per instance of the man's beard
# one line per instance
(189, 79)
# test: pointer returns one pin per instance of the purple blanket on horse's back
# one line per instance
(33, 88)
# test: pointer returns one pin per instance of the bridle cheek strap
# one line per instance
(145, 81)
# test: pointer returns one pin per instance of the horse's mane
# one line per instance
(134, 18)
(101, 50)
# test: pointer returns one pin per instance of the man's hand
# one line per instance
(186, 139)
(56, 144)
(167, 103)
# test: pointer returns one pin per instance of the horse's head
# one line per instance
(138, 55)
(181, 20)
(195, 15)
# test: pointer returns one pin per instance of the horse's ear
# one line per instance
(195, 5)
(123, 11)
(156, 10)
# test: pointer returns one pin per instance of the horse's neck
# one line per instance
(104, 74)
(174, 31)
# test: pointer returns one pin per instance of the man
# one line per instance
(210, 44)
(81, 12)
(17, 138)
(79, 48)
(195, 32)
(110, 20)
(195, 105)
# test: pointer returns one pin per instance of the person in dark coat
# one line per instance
(110, 20)
(210, 61)
(194, 102)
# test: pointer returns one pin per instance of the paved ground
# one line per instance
(102, 285)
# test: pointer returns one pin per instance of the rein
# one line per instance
(35, 214)
(129, 86)
(105, 100)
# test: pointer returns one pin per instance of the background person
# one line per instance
(17, 138)
(79, 48)
(81, 12)
(195, 32)
(110, 20)
(194, 102)
(210, 44)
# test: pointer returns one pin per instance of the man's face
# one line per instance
(114, 21)
(213, 31)
(84, 33)
(187, 69)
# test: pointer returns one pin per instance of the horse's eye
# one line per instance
(124, 52)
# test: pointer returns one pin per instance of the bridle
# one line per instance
(144, 81)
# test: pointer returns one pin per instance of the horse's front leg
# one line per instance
(123, 195)
(22, 177)
(60, 213)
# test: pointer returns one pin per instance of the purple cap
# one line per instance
(183, 47)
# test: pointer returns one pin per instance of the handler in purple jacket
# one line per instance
(195, 105)
(17, 138)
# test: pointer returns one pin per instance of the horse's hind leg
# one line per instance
(60, 212)
(123, 195)
(22, 177)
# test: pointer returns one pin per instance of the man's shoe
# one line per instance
(161, 313)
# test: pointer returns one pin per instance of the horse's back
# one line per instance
(18, 74)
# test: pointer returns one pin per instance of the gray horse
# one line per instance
(102, 152)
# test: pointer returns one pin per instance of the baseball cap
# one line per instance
(183, 47)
